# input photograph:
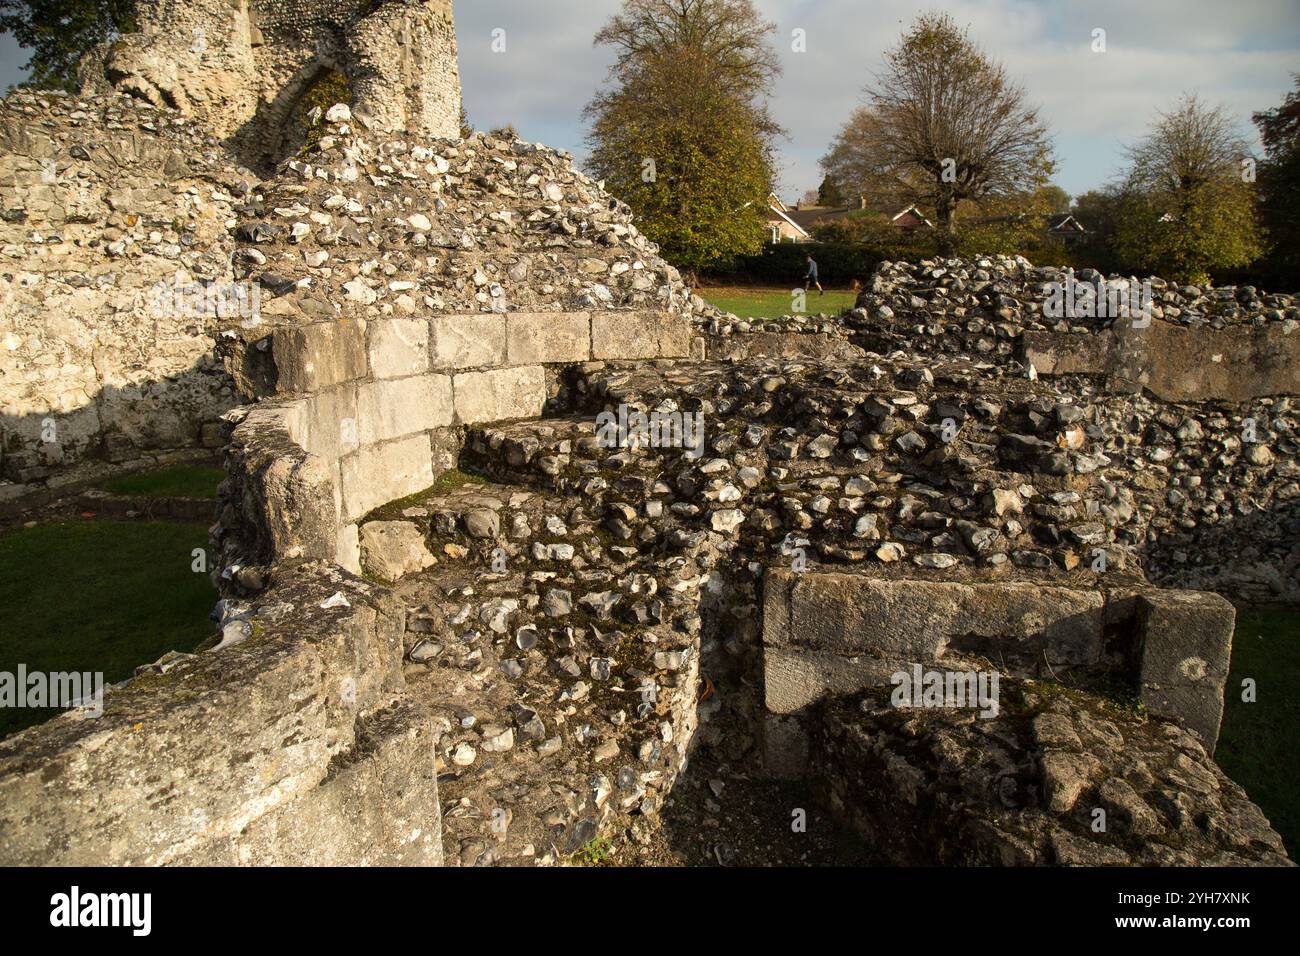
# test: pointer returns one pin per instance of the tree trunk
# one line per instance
(947, 230)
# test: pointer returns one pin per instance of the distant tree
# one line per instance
(829, 193)
(1098, 212)
(684, 136)
(867, 227)
(1014, 224)
(1186, 207)
(59, 32)
(466, 130)
(727, 34)
(943, 124)
(852, 164)
(1054, 199)
(1279, 183)
(1008, 225)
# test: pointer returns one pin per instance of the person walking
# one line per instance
(812, 279)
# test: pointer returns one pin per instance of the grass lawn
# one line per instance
(178, 481)
(1258, 744)
(98, 596)
(750, 303)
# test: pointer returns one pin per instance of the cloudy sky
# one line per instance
(1237, 52)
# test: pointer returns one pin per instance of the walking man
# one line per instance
(811, 280)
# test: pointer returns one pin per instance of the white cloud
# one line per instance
(1240, 54)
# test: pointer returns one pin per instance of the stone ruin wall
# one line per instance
(107, 196)
(1182, 398)
(363, 398)
(834, 635)
(375, 370)
(103, 202)
(298, 748)
(417, 291)
(379, 410)
(241, 68)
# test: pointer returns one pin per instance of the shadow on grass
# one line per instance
(1257, 746)
(98, 596)
(179, 481)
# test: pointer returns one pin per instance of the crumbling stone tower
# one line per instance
(242, 67)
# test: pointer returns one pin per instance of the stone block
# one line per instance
(297, 501)
(309, 358)
(399, 348)
(396, 407)
(380, 809)
(785, 747)
(796, 679)
(1186, 641)
(1178, 364)
(500, 394)
(292, 496)
(639, 335)
(826, 636)
(536, 338)
(676, 335)
(378, 474)
(349, 549)
(1055, 353)
(326, 423)
(467, 341)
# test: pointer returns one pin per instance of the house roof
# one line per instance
(1065, 223)
(775, 202)
(915, 212)
(807, 216)
(778, 212)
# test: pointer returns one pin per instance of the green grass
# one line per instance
(98, 596)
(774, 303)
(178, 481)
(1257, 746)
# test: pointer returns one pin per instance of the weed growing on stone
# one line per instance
(597, 852)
